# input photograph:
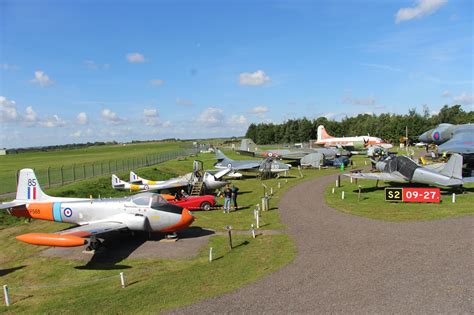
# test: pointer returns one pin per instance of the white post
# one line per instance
(454, 198)
(319, 166)
(351, 179)
(210, 254)
(365, 162)
(271, 191)
(279, 185)
(333, 190)
(122, 280)
(286, 181)
(337, 183)
(253, 230)
(342, 195)
(5, 294)
(257, 218)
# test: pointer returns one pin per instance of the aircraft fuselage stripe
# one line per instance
(57, 212)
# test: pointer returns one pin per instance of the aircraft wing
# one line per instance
(95, 228)
(386, 177)
(245, 166)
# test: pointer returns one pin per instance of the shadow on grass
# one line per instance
(244, 243)
(4, 272)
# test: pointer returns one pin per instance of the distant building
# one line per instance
(3, 151)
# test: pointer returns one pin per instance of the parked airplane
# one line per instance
(349, 143)
(451, 138)
(248, 146)
(267, 164)
(211, 181)
(95, 217)
(402, 169)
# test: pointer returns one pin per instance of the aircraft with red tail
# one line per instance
(94, 218)
(349, 143)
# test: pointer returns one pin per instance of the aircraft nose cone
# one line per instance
(187, 217)
(426, 137)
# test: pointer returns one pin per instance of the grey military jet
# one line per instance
(402, 169)
(264, 165)
(305, 156)
(451, 138)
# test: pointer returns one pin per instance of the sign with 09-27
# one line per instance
(408, 194)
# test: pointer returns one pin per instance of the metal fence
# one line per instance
(59, 176)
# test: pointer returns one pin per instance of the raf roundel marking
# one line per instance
(68, 212)
(436, 135)
(147, 187)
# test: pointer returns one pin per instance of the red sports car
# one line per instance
(206, 202)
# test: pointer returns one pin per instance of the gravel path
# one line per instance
(349, 264)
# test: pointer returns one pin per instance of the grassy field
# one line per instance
(42, 284)
(373, 205)
(40, 161)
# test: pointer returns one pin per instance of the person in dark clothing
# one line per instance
(227, 197)
(235, 192)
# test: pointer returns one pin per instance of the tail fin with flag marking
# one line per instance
(134, 178)
(29, 187)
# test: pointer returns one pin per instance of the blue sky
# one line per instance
(123, 70)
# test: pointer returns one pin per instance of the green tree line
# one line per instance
(389, 127)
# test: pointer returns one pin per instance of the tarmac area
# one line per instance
(121, 246)
(350, 264)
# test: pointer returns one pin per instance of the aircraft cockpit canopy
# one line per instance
(148, 200)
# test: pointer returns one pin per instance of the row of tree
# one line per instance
(389, 127)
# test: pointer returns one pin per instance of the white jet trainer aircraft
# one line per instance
(95, 217)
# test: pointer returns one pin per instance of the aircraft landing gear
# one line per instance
(171, 236)
(94, 244)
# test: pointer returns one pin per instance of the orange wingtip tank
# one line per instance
(47, 239)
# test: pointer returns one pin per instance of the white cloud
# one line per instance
(30, 116)
(464, 99)
(183, 101)
(157, 82)
(211, 117)
(6, 66)
(110, 117)
(237, 120)
(256, 78)
(52, 121)
(8, 111)
(96, 66)
(82, 133)
(82, 119)
(41, 79)
(367, 101)
(422, 8)
(135, 57)
(259, 110)
(446, 94)
(151, 117)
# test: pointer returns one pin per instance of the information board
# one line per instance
(409, 194)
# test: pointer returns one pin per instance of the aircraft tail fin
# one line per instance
(248, 145)
(221, 156)
(29, 187)
(117, 182)
(134, 177)
(322, 133)
(453, 168)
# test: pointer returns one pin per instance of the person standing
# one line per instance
(227, 197)
(235, 192)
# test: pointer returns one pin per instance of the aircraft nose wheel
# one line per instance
(171, 236)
